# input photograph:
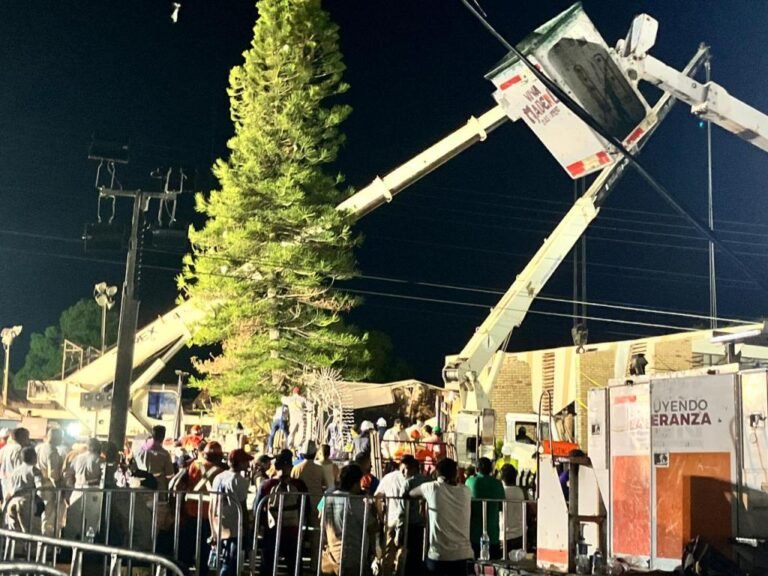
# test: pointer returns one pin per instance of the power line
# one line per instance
(624, 307)
(537, 312)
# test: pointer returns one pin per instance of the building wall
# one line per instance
(513, 390)
(518, 387)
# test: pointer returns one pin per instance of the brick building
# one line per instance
(567, 374)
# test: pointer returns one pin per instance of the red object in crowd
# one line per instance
(558, 447)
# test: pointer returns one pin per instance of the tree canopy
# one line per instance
(273, 246)
(80, 324)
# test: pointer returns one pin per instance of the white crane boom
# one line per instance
(472, 368)
(171, 331)
(708, 101)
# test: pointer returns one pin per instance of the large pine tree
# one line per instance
(273, 244)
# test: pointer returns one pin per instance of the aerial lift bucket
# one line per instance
(571, 52)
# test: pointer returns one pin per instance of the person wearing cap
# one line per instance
(296, 404)
(381, 428)
(86, 470)
(226, 523)
(4, 434)
(286, 489)
(362, 444)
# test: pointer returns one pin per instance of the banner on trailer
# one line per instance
(693, 429)
(630, 470)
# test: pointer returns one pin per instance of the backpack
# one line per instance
(290, 496)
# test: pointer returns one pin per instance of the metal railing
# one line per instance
(151, 521)
(29, 569)
(351, 524)
(38, 562)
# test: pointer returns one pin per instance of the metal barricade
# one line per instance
(151, 521)
(347, 519)
(524, 505)
(274, 541)
(111, 555)
(29, 569)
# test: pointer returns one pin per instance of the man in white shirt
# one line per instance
(86, 469)
(513, 520)
(20, 498)
(51, 466)
(296, 404)
(10, 457)
(390, 498)
(390, 444)
(450, 507)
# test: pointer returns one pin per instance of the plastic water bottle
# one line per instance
(90, 535)
(485, 547)
(212, 559)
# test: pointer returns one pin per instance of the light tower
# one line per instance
(8, 335)
(105, 298)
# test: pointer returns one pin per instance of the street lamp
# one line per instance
(8, 335)
(105, 297)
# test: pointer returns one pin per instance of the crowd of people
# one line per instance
(344, 517)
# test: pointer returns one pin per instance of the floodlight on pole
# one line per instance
(8, 335)
(105, 298)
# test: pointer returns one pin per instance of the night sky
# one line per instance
(117, 70)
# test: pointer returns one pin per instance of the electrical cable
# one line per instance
(585, 117)
(537, 312)
(418, 298)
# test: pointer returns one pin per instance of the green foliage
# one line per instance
(80, 324)
(273, 244)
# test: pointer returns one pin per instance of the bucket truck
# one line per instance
(604, 82)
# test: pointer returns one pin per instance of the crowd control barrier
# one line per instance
(39, 561)
(172, 523)
(287, 540)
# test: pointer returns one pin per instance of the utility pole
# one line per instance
(129, 313)
(179, 412)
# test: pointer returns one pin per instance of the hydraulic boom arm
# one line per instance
(708, 101)
(472, 368)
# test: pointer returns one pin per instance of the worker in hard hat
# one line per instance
(296, 404)
(381, 428)
(362, 444)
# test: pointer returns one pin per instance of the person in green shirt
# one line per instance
(484, 486)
